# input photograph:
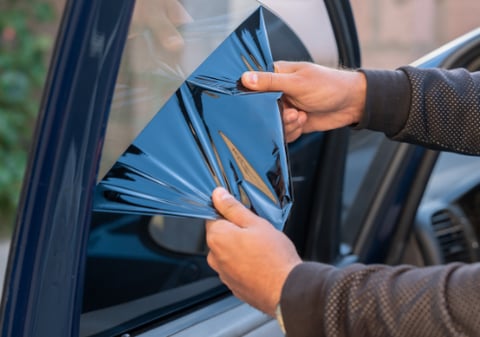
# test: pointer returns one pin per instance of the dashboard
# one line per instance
(470, 204)
(447, 227)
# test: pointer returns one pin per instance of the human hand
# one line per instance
(315, 98)
(251, 257)
(162, 17)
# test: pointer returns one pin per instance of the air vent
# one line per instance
(451, 237)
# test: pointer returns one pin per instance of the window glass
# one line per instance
(363, 145)
(141, 266)
(392, 34)
(153, 66)
(362, 149)
(210, 133)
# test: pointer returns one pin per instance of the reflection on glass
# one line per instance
(179, 127)
(210, 133)
(153, 67)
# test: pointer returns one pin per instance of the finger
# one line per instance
(293, 123)
(293, 135)
(289, 114)
(282, 79)
(219, 233)
(286, 67)
(209, 224)
(291, 131)
(265, 81)
(212, 261)
(177, 14)
(302, 118)
(291, 128)
(218, 228)
(231, 209)
(169, 37)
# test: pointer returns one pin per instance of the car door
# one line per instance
(73, 271)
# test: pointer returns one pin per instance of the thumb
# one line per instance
(232, 209)
(264, 81)
(280, 80)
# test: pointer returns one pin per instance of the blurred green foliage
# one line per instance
(23, 65)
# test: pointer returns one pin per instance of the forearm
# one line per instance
(320, 300)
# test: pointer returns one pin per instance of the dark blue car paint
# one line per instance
(42, 296)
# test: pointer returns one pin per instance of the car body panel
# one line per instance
(42, 294)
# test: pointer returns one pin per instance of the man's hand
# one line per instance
(162, 17)
(251, 257)
(315, 98)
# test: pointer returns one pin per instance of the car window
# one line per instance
(140, 265)
(362, 148)
(392, 34)
(210, 133)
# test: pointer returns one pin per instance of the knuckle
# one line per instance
(270, 80)
(211, 240)
(211, 236)
(211, 261)
(230, 207)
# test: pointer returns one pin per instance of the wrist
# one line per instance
(359, 97)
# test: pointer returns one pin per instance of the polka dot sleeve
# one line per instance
(377, 300)
(444, 110)
(436, 108)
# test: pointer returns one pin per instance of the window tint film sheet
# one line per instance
(211, 132)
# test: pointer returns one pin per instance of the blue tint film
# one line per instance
(211, 132)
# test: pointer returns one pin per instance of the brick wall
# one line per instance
(397, 32)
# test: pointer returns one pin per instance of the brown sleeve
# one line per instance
(321, 300)
(436, 108)
(445, 110)
(388, 101)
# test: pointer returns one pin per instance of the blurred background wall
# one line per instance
(397, 32)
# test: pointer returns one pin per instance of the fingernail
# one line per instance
(252, 77)
(173, 43)
(223, 194)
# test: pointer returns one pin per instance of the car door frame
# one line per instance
(43, 284)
